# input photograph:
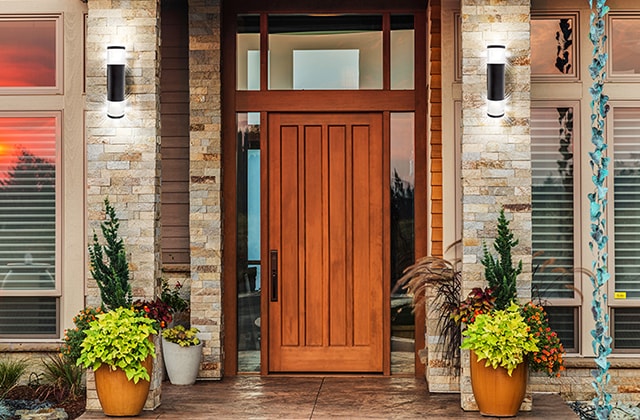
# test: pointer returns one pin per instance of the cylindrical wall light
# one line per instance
(116, 61)
(496, 63)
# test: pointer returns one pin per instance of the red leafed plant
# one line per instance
(154, 309)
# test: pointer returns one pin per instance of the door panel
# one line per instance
(325, 204)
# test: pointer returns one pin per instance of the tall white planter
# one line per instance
(182, 363)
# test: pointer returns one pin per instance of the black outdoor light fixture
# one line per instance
(496, 63)
(116, 61)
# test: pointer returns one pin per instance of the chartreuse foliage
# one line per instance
(501, 337)
(182, 336)
(598, 204)
(119, 339)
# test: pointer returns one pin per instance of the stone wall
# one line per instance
(206, 180)
(123, 159)
(496, 160)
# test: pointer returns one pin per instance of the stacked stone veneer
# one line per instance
(496, 160)
(123, 155)
(205, 186)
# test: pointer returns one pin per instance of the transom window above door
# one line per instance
(325, 52)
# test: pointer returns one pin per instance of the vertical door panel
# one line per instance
(325, 219)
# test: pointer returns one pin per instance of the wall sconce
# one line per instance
(496, 63)
(116, 61)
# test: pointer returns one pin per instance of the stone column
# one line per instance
(496, 156)
(205, 189)
(123, 159)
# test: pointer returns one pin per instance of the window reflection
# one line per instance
(552, 46)
(625, 33)
(248, 52)
(27, 53)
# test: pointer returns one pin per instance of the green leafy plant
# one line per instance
(501, 337)
(64, 375)
(119, 339)
(499, 271)
(10, 373)
(109, 266)
(182, 336)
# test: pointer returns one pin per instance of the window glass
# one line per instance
(248, 52)
(402, 52)
(553, 46)
(402, 238)
(552, 165)
(626, 131)
(32, 316)
(625, 32)
(28, 53)
(248, 240)
(325, 52)
(626, 324)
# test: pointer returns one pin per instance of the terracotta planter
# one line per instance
(119, 396)
(182, 363)
(498, 394)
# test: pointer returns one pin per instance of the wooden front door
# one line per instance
(326, 235)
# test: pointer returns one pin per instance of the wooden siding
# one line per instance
(435, 127)
(174, 108)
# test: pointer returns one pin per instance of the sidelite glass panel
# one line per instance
(624, 35)
(248, 53)
(626, 327)
(402, 52)
(248, 240)
(626, 187)
(402, 238)
(553, 46)
(28, 53)
(325, 52)
(552, 165)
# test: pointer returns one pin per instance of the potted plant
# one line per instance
(119, 348)
(182, 350)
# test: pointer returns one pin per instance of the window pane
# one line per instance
(552, 201)
(626, 328)
(402, 239)
(563, 321)
(626, 131)
(33, 316)
(27, 202)
(552, 46)
(402, 52)
(28, 53)
(248, 53)
(248, 241)
(625, 32)
(325, 52)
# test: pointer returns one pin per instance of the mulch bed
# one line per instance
(33, 397)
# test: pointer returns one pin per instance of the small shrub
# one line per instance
(64, 375)
(10, 373)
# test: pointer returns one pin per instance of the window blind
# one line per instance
(552, 202)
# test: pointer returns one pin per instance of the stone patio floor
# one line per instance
(255, 397)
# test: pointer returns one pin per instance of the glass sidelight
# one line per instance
(248, 240)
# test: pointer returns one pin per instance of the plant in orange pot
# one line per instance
(119, 348)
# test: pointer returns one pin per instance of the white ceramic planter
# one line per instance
(182, 363)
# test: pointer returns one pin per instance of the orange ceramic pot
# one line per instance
(119, 396)
(498, 394)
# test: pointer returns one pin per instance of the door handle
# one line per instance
(273, 271)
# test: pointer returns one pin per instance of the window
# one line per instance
(561, 175)
(553, 47)
(29, 58)
(28, 184)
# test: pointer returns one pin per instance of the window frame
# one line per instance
(58, 88)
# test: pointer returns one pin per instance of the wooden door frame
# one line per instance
(281, 101)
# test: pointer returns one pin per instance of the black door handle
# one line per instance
(273, 262)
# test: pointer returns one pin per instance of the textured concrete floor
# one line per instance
(254, 397)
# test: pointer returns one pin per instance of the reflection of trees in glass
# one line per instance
(565, 165)
(563, 37)
(27, 211)
(402, 226)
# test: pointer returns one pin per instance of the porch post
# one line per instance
(205, 183)
(496, 156)
(123, 154)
